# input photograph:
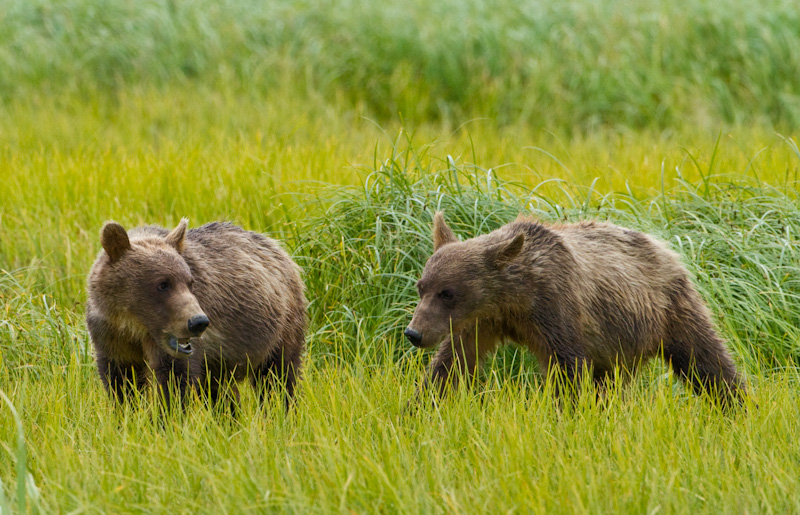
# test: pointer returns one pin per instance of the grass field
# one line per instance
(574, 64)
(291, 120)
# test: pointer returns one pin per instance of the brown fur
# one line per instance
(585, 295)
(147, 283)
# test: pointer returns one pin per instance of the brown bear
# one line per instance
(584, 296)
(203, 309)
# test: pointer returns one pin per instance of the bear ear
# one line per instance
(114, 240)
(503, 253)
(442, 234)
(177, 236)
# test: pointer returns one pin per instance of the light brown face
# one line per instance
(449, 292)
(450, 298)
(164, 303)
(458, 284)
(150, 281)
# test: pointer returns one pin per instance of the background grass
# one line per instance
(340, 129)
(575, 64)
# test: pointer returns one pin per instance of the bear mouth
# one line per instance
(180, 345)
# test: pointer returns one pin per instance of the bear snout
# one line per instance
(413, 336)
(197, 324)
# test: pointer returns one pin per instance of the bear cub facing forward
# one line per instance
(584, 295)
(203, 308)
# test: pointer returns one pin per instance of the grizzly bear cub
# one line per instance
(200, 309)
(583, 296)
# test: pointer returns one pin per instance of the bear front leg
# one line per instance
(567, 373)
(557, 341)
(214, 383)
(121, 380)
(224, 392)
(121, 371)
(171, 378)
(459, 356)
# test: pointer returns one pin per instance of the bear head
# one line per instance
(144, 285)
(461, 283)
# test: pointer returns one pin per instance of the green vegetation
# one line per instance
(577, 64)
(501, 443)
(282, 117)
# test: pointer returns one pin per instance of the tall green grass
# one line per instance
(738, 237)
(578, 64)
(68, 166)
(283, 117)
(350, 444)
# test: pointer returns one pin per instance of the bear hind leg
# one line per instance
(279, 372)
(697, 354)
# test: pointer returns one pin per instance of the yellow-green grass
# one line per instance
(340, 128)
(152, 156)
(352, 200)
(349, 446)
(351, 443)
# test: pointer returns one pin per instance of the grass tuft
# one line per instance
(738, 238)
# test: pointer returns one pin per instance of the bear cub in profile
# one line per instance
(203, 308)
(584, 295)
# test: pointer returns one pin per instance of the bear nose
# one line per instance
(197, 324)
(414, 337)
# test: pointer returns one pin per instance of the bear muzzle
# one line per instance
(179, 345)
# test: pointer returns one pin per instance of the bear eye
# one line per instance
(163, 286)
(447, 295)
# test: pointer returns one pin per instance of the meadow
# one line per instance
(339, 130)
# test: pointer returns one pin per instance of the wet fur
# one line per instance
(588, 295)
(245, 283)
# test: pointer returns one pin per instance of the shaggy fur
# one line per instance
(148, 284)
(588, 294)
